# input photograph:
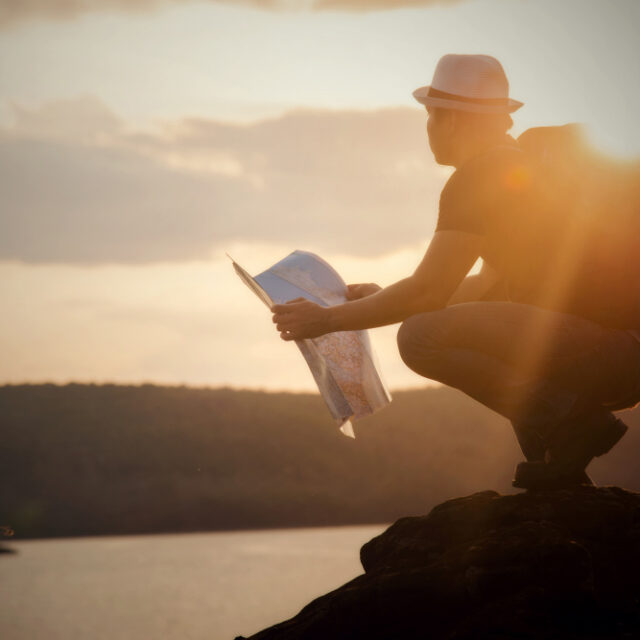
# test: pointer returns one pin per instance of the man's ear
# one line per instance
(453, 120)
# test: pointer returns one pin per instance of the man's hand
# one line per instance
(300, 318)
(357, 291)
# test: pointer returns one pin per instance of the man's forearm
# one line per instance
(447, 260)
(388, 306)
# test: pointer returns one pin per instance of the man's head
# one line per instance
(468, 104)
(452, 131)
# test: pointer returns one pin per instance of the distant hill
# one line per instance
(108, 459)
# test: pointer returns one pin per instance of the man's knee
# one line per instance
(405, 339)
(417, 339)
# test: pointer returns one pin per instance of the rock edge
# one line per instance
(533, 565)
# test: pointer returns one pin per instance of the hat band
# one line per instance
(436, 93)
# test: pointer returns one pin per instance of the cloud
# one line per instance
(376, 5)
(13, 11)
(79, 186)
(82, 119)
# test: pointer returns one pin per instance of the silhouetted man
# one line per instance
(539, 334)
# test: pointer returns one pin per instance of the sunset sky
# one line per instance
(141, 139)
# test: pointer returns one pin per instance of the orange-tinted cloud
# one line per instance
(12, 11)
(79, 186)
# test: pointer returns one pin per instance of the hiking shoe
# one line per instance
(539, 476)
(571, 448)
(573, 445)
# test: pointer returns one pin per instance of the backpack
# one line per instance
(603, 197)
(570, 164)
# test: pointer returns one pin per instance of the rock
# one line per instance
(537, 565)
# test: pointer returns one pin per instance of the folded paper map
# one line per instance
(343, 363)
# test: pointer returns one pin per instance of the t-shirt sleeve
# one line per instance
(462, 201)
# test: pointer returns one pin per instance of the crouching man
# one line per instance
(545, 333)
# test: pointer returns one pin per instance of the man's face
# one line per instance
(440, 134)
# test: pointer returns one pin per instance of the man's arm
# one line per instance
(448, 259)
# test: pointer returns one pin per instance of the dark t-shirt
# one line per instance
(551, 249)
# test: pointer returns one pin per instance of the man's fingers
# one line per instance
(281, 310)
(361, 290)
(295, 319)
(355, 291)
(283, 320)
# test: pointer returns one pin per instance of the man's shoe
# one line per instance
(572, 446)
(545, 476)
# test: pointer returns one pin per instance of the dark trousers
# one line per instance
(538, 368)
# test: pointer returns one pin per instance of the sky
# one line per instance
(140, 140)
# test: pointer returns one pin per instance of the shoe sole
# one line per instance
(539, 476)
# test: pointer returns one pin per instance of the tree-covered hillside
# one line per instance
(103, 459)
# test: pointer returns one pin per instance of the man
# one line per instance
(530, 336)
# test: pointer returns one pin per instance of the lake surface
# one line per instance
(182, 586)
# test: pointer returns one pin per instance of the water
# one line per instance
(183, 586)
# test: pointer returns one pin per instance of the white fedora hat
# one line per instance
(468, 83)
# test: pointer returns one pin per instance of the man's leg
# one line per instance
(531, 444)
(536, 367)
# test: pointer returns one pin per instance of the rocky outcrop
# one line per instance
(558, 564)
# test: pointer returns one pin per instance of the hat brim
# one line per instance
(423, 97)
